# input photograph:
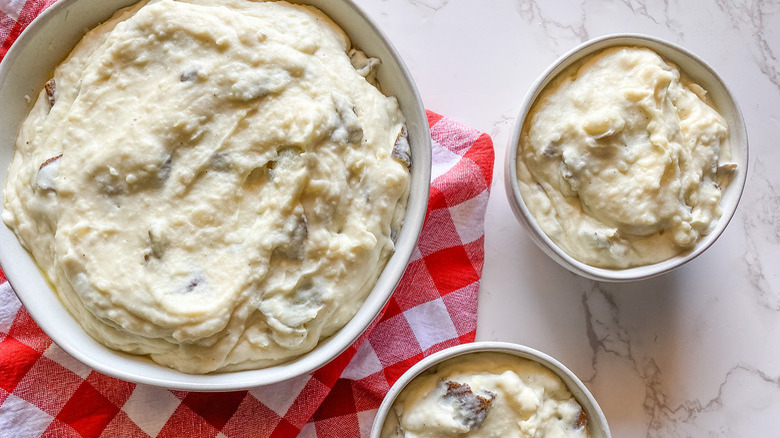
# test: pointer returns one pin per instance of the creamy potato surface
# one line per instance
(486, 395)
(623, 161)
(212, 183)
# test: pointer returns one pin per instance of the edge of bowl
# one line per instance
(739, 148)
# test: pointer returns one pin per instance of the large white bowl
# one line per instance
(701, 73)
(597, 422)
(30, 63)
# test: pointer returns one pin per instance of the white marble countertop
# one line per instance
(695, 352)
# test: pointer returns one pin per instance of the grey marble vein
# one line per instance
(667, 412)
(605, 333)
(434, 5)
(559, 32)
(761, 213)
(751, 16)
(709, 417)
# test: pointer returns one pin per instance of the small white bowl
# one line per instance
(597, 422)
(29, 64)
(701, 73)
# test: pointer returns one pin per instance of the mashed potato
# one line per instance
(622, 161)
(212, 183)
(486, 395)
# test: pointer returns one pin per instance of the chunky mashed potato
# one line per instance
(622, 161)
(486, 395)
(212, 183)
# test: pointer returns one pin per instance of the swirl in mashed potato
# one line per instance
(212, 183)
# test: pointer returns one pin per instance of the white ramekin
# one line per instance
(696, 69)
(597, 422)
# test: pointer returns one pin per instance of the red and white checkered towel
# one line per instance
(45, 392)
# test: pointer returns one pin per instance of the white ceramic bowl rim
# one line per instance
(44, 307)
(544, 242)
(576, 387)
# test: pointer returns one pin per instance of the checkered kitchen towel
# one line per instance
(45, 392)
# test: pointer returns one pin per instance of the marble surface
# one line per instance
(695, 352)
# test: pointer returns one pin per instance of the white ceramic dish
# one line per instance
(597, 422)
(28, 65)
(693, 67)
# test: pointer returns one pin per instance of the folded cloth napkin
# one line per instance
(45, 392)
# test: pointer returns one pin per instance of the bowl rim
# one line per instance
(526, 218)
(579, 391)
(139, 369)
